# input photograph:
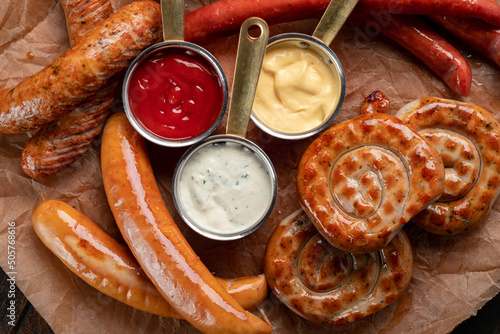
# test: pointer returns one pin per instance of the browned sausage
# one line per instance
(156, 241)
(82, 70)
(110, 267)
(364, 178)
(324, 284)
(58, 144)
(468, 139)
(83, 16)
(376, 102)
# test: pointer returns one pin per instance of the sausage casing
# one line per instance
(431, 48)
(82, 70)
(468, 140)
(324, 284)
(156, 241)
(58, 144)
(363, 179)
(110, 267)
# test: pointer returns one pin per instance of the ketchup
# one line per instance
(175, 95)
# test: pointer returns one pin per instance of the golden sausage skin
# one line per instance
(156, 241)
(468, 140)
(109, 266)
(83, 15)
(58, 144)
(324, 284)
(82, 70)
(363, 179)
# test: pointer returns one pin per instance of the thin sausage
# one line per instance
(109, 266)
(375, 102)
(226, 16)
(156, 241)
(82, 70)
(487, 10)
(431, 48)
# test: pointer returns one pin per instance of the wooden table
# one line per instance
(28, 321)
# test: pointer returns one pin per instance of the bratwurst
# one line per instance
(82, 70)
(58, 144)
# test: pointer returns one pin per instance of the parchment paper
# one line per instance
(453, 276)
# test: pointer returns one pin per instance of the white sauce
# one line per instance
(225, 188)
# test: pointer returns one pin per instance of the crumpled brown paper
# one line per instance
(453, 276)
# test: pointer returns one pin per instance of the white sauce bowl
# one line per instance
(225, 187)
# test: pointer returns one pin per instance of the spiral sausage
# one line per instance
(58, 144)
(468, 139)
(324, 284)
(82, 70)
(363, 179)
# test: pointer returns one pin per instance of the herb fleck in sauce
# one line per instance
(225, 188)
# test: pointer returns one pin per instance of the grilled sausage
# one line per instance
(376, 102)
(156, 241)
(226, 16)
(363, 179)
(487, 10)
(58, 144)
(110, 267)
(83, 15)
(468, 139)
(82, 70)
(324, 284)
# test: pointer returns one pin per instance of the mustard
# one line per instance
(297, 90)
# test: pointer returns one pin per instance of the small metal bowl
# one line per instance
(189, 49)
(183, 195)
(330, 58)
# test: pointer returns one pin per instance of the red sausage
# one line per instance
(109, 266)
(487, 10)
(83, 15)
(226, 16)
(428, 46)
(481, 36)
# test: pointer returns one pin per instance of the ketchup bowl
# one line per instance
(175, 93)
